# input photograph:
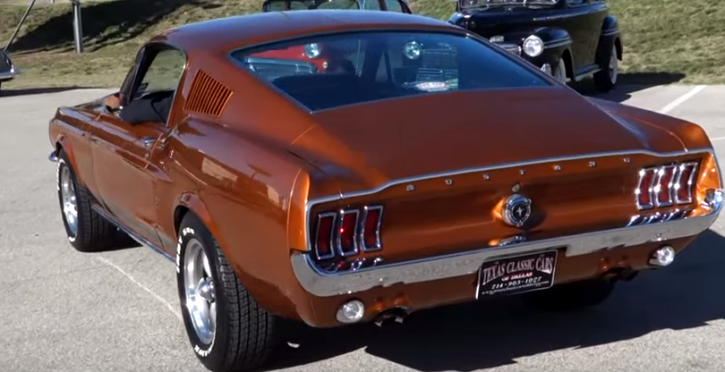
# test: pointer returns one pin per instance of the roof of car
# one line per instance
(244, 30)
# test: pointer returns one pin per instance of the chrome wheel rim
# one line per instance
(200, 293)
(69, 200)
(561, 71)
(613, 66)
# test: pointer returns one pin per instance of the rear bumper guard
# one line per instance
(465, 263)
(9, 74)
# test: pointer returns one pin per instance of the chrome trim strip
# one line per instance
(468, 263)
(279, 62)
(611, 32)
(499, 166)
(98, 209)
(556, 44)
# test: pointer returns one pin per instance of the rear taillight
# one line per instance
(665, 186)
(348, 232)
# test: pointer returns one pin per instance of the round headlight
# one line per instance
(312, 50)
(533, 46)
(412, 50)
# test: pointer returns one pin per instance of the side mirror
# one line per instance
(113, 102)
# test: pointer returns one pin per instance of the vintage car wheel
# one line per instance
(87, 231)
(559, 72)
(606, 78)
(571, 296)
(227, 328)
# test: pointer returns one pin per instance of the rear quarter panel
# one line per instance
(242, 191)
(235, 173)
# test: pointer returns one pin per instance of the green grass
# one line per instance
(676, 39)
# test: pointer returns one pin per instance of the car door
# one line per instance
(123, 149)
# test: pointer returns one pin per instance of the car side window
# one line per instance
(163, 73)
(151, 99)
(576, 2)
(393, 5)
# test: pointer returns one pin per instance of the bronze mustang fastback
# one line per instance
(420, 166)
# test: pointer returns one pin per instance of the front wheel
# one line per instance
(87, 231)
(227, 328)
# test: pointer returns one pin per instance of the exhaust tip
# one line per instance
(397, 314)
(663, 256)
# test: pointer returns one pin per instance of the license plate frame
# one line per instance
(529, 272)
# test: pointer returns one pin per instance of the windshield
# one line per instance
(284, 5)
(363, 67)
(469, 4)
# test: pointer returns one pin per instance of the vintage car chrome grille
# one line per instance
(438, 64)
(347, 232)
(665, 186)
(270, 68)
(510, 47)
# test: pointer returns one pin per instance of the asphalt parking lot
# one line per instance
(61, 310)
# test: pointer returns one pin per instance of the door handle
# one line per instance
(147, 142)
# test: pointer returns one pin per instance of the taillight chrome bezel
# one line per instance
(338, 234)
(661, 172)
(690, 182)
(378, 242)
(675, 182)
(315, 239)
(358, 240)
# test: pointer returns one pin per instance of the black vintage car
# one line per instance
(569, 39)
(400, 6)
(8, 71)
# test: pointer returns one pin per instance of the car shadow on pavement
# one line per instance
(483, 335)
(628, 83)
(5, 92)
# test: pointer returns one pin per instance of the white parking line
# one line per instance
(134, 281)
(671, 106)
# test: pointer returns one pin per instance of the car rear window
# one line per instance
(323, 72)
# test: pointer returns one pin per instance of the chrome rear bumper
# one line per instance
(9, 75)
(466, 263)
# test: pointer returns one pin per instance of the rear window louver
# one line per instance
(207, 95)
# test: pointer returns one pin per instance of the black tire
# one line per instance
(606, 78)
(571, 296)
(245, 334)
(93, 233)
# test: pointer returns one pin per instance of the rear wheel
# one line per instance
(606, 78)
(227, 328)
(87, 231)
(571, 296)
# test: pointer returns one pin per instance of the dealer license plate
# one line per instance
(518, 274)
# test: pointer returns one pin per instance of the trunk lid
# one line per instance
(425, 160)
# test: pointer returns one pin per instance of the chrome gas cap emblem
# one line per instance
(516, 210)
